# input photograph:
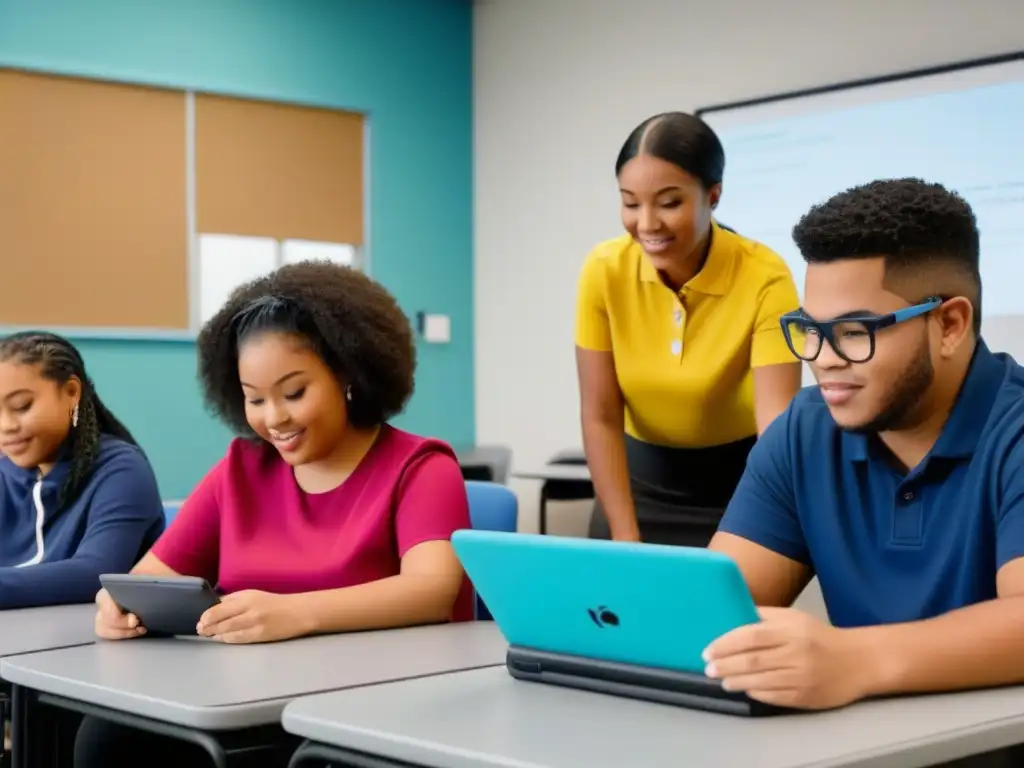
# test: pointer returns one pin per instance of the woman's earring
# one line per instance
(348, 393)
(74, 416)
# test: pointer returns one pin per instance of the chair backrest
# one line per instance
(485, 462)
(492, 507)
(170, 510)
(569, 456)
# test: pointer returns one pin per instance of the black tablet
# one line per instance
(165, 605)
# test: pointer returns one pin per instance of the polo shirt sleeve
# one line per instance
(1010, 517)
(778, 297)
(592, 328)
(432, 501)
(191, 544)
(763, 509)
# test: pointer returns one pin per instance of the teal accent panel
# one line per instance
(406, 64)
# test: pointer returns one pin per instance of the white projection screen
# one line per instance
(961, 126)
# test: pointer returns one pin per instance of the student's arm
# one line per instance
(761, 530)
(978, 646)
(125, 507)
(777, 372)
(792, 659)
(432, 505)
(190, 547)
(602, 410)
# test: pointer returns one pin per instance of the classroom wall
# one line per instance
(558, 86)
(407, 63)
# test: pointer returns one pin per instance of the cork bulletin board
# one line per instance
(104, 188)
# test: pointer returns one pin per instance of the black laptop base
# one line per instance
(664, 686)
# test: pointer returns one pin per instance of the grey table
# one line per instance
(229, 697)
(27, 630)
(560, 482)
(578, 473)
(485, 719)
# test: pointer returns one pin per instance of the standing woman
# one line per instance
(681, 358)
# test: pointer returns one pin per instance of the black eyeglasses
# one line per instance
(852, 338)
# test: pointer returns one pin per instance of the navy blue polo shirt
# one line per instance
(887, 546)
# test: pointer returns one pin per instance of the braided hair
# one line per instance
(59, 361)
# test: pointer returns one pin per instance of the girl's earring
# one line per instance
(74, 416)
(348, 393)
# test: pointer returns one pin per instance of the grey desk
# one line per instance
(559, 482)
(28, 630)
(485, 719)
(200, 690)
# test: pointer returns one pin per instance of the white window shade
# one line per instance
(228, 261)
(293, 251)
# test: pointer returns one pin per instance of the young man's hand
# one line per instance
(792, 659)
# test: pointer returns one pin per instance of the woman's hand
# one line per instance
(112, 623)
(252, 616)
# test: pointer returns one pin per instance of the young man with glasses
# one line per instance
(898, 480)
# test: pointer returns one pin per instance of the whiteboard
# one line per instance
(959, 128)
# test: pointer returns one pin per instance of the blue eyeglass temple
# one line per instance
(909, 312)
(918, 309)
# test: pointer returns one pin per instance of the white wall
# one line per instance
(558, 86)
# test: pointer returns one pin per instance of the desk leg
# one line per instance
(29, 731)
(221, 748)
(315, 753)
(21, 718)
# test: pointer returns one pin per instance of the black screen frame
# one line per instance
(845, 85)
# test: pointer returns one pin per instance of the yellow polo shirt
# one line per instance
(685, 361)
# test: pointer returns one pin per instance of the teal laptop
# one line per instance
(625, 619)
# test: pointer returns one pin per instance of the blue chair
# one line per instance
(492, 507)
(170, 510)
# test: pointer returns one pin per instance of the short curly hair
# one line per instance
(352, 322)
(925, 232)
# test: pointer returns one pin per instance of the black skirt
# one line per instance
(679, 494)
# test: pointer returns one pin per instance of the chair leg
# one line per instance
(542, 523)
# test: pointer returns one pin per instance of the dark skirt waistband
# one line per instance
(702, 477)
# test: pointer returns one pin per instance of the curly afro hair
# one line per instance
(915, 225)
(352, 322)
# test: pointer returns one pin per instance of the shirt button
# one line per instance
(677, 347)
(908, 496)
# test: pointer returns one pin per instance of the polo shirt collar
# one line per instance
(962, 431)
(715, 276)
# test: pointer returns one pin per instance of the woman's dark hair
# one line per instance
(679, 138)
(349, 320)
(59, 361)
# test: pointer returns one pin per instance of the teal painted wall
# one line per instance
(405, 63)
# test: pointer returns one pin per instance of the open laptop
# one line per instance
(626, 619)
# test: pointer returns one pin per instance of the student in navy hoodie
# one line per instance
(77, 496)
